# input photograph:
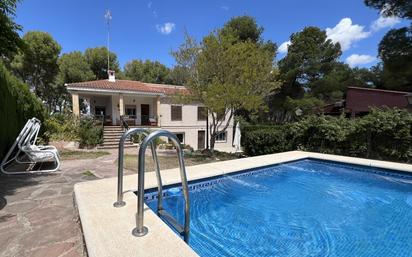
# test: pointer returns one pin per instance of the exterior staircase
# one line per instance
(111, 137)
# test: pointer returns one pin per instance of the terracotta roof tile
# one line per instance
(128, 85)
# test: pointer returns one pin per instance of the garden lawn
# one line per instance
(76, 155)
(170, 162)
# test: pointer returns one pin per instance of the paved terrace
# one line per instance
(37, 217)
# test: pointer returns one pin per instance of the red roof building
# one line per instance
(126, 86)
(359, 100)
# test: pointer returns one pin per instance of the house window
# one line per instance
(130, 111)
(221, 137)
(100, 110)
(180, 136)
(201, 113)
(176, 113)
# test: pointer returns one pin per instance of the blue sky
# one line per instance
(144, 29)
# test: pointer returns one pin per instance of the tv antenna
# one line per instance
(108, 17)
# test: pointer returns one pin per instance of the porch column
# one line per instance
(121, 105)
(158, 110)
(75, 104)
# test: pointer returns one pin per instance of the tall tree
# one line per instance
(395, 51)
(243, 28)
(146, 71)
(178, 75)
(73, 67)
(311, 56)
(332, 86)
(400, 8)
(97, 59)
(37, 64)
(226, 75)
(9, 37)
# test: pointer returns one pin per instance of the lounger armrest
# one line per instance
(49, 153)
(45, 147)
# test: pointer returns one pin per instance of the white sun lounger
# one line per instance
(25, 151)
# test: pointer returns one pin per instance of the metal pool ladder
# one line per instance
(140, 230)
(130, 132)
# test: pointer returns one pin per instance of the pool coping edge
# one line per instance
(107, 230)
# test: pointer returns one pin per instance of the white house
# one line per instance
(146, 105)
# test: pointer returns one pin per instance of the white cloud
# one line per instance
(149, 5)
(359, 59)
(384, 22)
(166, 28)
(225, 8)
(346, 33)
(154, 14)
(283, 48)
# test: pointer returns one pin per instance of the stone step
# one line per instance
(115, 142)
(112, 134)
(113, 130)
(111, 137)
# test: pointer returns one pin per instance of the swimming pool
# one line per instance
(301, 208)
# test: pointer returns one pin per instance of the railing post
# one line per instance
(120, 159)
(140, 230)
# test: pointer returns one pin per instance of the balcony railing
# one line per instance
(139, 120)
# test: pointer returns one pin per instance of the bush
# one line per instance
(324, 134)
(90, 132)
(138, 139)
(258, 141)
(383, 134)
(17, 105)
(66, 127)
(61, 126)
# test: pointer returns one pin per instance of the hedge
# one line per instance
(17, 105)
(383, 134)
(90, 132)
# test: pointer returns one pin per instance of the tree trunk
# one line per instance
(212, 142)
(369, 145)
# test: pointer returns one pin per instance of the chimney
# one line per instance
(111, 76)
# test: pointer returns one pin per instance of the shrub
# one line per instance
(324, 134)
(138, 138)
(61, 126)
(90, 132)
(383, 134)
(265, 140)
(17, 105)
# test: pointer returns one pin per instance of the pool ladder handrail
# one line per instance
(130, 132)
(140, 229)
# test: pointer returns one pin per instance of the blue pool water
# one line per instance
(302, 208)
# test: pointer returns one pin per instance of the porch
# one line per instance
(134, 109)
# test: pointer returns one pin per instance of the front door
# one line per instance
(144, 112)
(201, 135)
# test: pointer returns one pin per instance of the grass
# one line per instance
(88, 173)
(75, 155)
(170, 162)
